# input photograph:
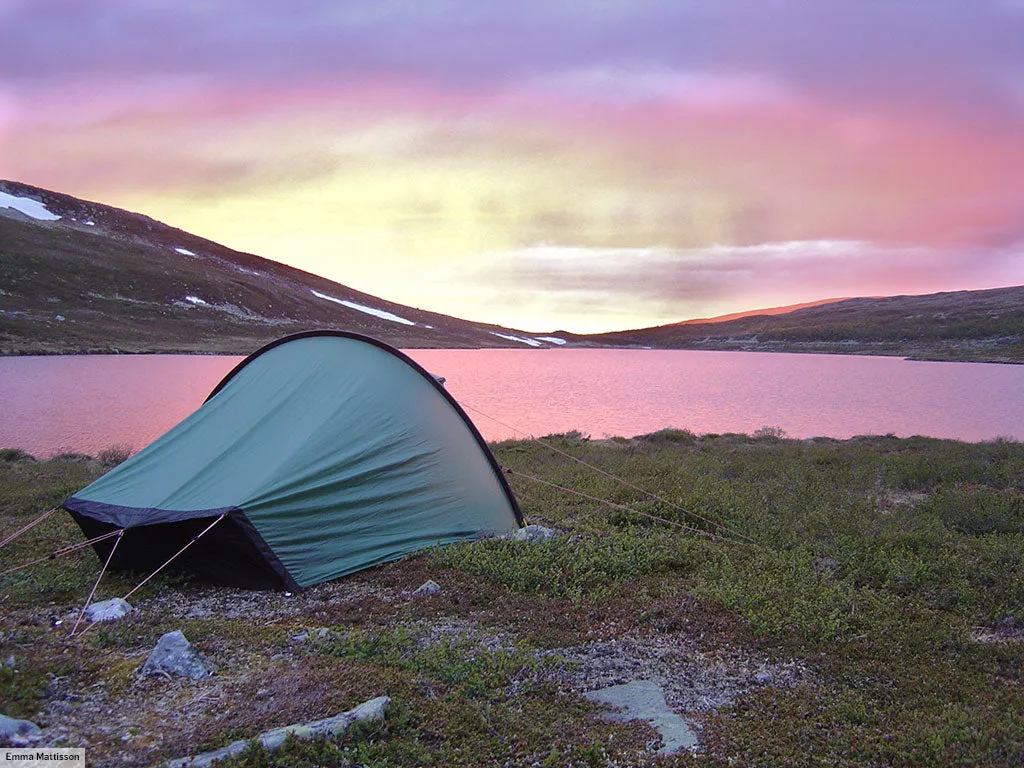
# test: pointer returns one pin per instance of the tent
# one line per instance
(320, 454)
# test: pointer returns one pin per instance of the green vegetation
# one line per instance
(891, 569)
(448, 659)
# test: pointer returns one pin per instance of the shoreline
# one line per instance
(907, 355)
(117, 452)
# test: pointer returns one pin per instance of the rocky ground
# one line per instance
(124, 717)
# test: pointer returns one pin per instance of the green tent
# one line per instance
(326, 452)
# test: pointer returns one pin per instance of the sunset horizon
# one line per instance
(582, 168)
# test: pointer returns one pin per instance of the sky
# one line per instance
(545, 164)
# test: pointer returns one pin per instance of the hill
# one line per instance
(982, 326)
(79, 276)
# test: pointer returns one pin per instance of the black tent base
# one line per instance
(225, 555)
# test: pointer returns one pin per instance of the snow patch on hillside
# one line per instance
(360, 308)
(28, 206)
(184, 251)
(196, 300)
(551, 340)
(520, 339)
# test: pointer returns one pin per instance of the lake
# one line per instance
(87, 403)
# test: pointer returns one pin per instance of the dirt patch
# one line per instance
(693, 680)
(891, 498)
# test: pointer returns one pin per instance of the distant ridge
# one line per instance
(981, 326)
(754, 312)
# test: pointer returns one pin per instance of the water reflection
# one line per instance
(86, 403)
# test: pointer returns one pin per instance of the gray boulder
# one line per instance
(107, 610)
(429, 588)
(18, 733)
(174, 655)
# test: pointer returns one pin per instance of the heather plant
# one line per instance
(115, 454)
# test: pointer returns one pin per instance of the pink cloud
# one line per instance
(668, 285)
(636, 84)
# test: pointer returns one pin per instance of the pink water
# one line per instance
(87, 403)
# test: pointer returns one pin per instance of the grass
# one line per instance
(457, 660)
(580, 568)
(878, 564)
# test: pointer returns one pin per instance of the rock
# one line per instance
(313, 633)
(825, 566)
(764, 677)
(18, 733)
(429, 588)
(644, 700)
(531, 533)
(374, 709)
(175, 655)
(10, 662)
(107, 610)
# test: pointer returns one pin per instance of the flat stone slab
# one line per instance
(644, 700)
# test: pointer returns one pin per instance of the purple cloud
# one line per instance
(955, 54)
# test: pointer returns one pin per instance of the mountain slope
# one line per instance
(983, 325)
(77, 276)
